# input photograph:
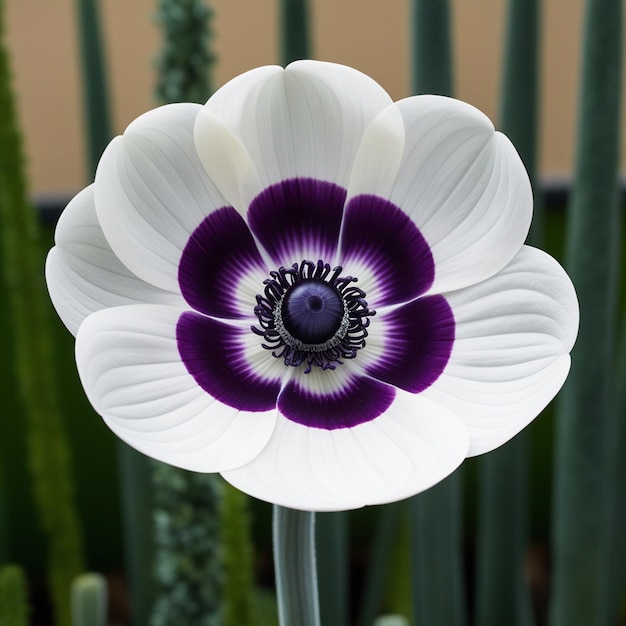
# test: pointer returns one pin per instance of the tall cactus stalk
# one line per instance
(615, 540)
(14, 607)
(436, 515)
(90, 598)
(582, 492)
(95, 90)
(21, 261)
(187, 567)
(332, 554)
(502, 595)
(185, 62)
(188, 564)
(237, 557)
(295, 37)
(133, 468)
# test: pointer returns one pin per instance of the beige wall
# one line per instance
(357, 32)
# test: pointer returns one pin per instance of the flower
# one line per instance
(319, 293)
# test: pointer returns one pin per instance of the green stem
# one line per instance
(294, 31)
(436, 546)
(137, 501)
(332, 566)
(4, 517)
(501, 593)
(14, 607)
(237, 558)
(431, 49)
(502, 596)
(616, 538)
(295, 567)
(582, 497)
(90, 598)
(22, 265)
(519, 107)
(378, 571)
(96, 103)
(436, 520)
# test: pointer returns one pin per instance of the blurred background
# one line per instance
(371, 35)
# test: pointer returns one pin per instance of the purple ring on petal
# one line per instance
(213, 354)
(419, 337)
(298, 219)
(361, 400)
(218, 254)
(381, 235)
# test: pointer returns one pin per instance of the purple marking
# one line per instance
(385, 238)
(213, 355)
(292, 218)
(361, 400)
(218, 254)
(418, 344)
(296, 216)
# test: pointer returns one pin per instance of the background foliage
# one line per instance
(552, 497)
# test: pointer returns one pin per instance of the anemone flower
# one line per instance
(315, 291)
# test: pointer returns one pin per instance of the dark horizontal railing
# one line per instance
(556, 195)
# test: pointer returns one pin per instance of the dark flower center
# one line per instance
(310, 314)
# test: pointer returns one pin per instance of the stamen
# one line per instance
(310, 314)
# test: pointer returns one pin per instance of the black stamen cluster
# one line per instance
(352, 329)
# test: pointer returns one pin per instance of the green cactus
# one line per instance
(89, 600)
(391, 620)
(29, 306)
(237, 553)
(95, 89)
(14, 608)
(502, 594)
(187, 567)
(438, 579)
(186, 59)
(584, 495)
(295, 32)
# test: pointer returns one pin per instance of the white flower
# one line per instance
(316, 292)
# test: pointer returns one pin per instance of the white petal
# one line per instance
(152, 191)
(379, 156)
(408, 449)
(224, 155)
(84, 275)
(460, 181)
(306, 120)
(510, 355)
(133, 375)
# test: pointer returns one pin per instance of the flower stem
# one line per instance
(294, 562)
